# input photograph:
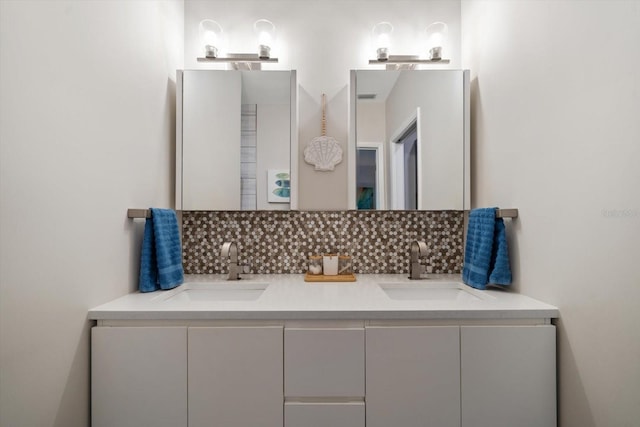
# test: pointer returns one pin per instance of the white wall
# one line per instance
(555, 133)
(323, 40)
(370, 122)
(86, 131)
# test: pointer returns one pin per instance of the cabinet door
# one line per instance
(324, 362)
(413, 376)
(508, 376)
(235, 377)
(138, 377)
(324, 414)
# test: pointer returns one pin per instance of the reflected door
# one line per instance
(410, 149)
(370, 176)
(366, 178)
(405, 169)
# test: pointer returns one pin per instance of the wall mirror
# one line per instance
(409, 140)
(236, 140)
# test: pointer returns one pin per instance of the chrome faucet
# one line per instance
(230, 250)
(418, 249)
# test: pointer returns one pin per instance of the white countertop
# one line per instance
(289, 297)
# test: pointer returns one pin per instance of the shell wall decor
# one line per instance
(324, 153)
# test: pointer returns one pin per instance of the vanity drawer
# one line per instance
(343, 414)
(324, 362)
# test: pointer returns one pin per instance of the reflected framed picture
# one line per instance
(278, 185)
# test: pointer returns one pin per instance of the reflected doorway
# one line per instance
(409, 143)
(370, 182)
(405, 172)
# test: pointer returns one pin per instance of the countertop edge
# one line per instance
(327, 315)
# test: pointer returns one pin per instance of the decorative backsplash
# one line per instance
(281, 241)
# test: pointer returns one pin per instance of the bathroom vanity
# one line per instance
(274, 351)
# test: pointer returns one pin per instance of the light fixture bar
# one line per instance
(239, 58)
(407, 59)
(242, 61)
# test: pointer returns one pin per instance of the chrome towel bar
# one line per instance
(507, 213)
(138, 213)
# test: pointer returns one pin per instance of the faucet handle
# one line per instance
(418, 249)
(422, 247)
(229, 249)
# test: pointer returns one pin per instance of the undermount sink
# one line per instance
(441, 291)
(232, 291)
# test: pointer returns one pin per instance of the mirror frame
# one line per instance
(293, 138)
(352, 142)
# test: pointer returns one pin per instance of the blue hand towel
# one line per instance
(486, 257)
(161, 257)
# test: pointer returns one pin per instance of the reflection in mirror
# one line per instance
(234, 148)
(410, 140)
(370, 183)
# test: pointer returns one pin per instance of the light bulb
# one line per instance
(436, 37)
(382, 39)
(265, 31)
(211, 37)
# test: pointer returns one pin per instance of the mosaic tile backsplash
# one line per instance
(281, 241)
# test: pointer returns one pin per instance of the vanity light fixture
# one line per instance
(266, 31)
(382, 39)
(436, 35)
(212, 38)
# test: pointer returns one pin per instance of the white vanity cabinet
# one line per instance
(321, 362)
(324, 414)
(187, 376)
(235, 376)
(451, 375)
(324, 355)
(413, 376)
(469, 376)
(138, 376)
(466, 373)
(508, 376)
(324, 373)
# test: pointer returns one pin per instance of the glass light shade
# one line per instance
(266, 32)
(382, 39)
(211, 37)
(436, 37)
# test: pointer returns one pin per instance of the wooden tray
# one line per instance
(327, 279)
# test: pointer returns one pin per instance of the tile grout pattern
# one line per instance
(281, 241)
